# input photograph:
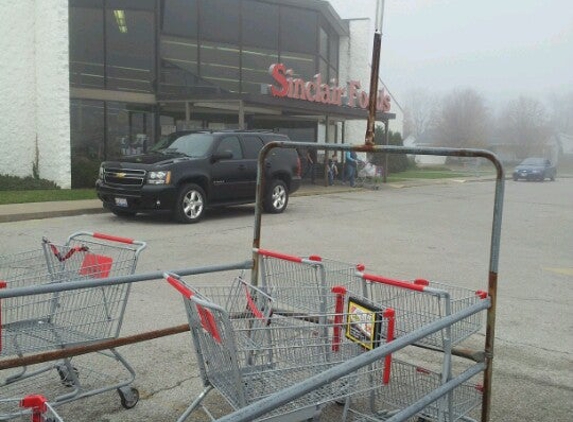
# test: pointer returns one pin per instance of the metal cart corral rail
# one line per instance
(60, 320)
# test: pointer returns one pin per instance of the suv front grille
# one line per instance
(124, 177)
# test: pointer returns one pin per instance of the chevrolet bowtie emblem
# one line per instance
(121, 175)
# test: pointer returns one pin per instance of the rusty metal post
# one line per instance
(369, 138)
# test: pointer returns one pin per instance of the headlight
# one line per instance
(159, 177)
(100, 174)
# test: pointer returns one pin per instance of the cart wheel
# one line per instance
(129, 396)
(65, 376)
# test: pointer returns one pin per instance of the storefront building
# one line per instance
(106, 78)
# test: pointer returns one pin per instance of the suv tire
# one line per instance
(276, 198)
(190, 205)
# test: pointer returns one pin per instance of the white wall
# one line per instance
(34, 87)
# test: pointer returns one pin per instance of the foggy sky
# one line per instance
(501, 48)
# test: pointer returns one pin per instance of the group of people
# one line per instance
(350, 168)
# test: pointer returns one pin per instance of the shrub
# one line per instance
(84, 173)
(396, 162)
(15, 183)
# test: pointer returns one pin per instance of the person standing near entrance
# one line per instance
(351, 166)
(311, 163)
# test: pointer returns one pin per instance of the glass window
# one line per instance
(87, 141)
(303, 65)
(130, 49)
(130, 129)
(260, 25)
(180, 18)
(333, 50)
(86, 45)
(219, 20)
(252, 145)
(255, 71)
(231, 144)
(323, 43)
(220, 65)
(298, 30)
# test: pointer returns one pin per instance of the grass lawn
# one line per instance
(20, 197)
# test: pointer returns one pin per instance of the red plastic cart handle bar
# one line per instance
(3, 285)
(207, 319)
(38, 405)
(390, 315)
(278, 255)
(393, 282)
(252, 306)
(179, 286)
(340, 292)
(112, 238)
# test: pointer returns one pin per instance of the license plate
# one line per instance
(121, 202)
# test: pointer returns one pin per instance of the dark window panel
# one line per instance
(260, 25)
(303, 65)
(219, 20)
(180, 18)
(130, 50)
(131, 4)
(255, 74)
(298, 30)
(323, 43)
(252, 145)
(86, 47)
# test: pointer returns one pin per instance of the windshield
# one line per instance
(193, 145)
(532, 162)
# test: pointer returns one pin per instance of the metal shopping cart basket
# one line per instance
(248, 346)
(35, 408)
(43, 322)
(414, 305)
(417, 303)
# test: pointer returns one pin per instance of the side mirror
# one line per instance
(222, 155)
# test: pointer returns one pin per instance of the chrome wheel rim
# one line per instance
(279, 197)
(193, 204)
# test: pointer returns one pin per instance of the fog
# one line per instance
(502, 49)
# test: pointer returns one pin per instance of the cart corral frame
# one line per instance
(486, 356)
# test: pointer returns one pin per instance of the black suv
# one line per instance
(187, 172)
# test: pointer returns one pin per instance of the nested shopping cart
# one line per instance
(42, 322)
(414, 305)
(34, 408)
(249, 345)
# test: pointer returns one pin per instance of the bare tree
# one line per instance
(525, 123)
(561, 110)
(419, 113)
(463, 120)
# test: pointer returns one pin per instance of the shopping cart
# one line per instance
(248, 345)
(53, 321)
(417, 302)
(368, 174)
(34, 408)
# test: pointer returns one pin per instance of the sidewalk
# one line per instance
(39, 210)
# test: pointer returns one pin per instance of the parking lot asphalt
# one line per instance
(40, 210)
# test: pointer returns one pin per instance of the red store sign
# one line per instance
(316, 91)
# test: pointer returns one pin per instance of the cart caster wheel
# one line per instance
(65, 376)
(129, 396)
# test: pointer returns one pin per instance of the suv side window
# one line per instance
(232, 144)
(252, 145)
